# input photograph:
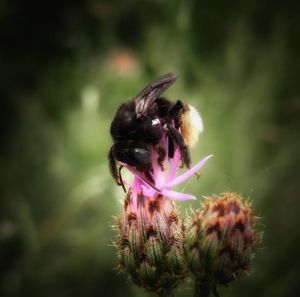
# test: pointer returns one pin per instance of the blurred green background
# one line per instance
(65, 66)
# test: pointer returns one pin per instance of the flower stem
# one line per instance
(202, 290)
(215, 292)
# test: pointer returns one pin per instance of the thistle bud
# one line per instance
(220, 241)
(149, 242)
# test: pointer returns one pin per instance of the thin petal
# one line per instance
(148, 191)
(173, 195)
(181, 178)
(177, 195)
(137, 180)
(136, 185)
(174, 165)
(158, 174)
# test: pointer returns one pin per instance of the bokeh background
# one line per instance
(65, 66)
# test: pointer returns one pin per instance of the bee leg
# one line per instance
(121, 183)
(175, 113)
(171, 148)
(161, 156)
(114, 168)
(184, 151)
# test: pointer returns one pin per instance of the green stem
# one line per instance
(215, 292)
(202, 290)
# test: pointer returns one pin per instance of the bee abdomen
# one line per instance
(191, 125)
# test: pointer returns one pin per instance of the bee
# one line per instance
(140, 123)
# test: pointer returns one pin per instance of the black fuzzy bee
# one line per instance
(139, 124)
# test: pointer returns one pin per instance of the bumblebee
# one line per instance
(140, 123)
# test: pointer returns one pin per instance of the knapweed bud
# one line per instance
(149, 242)
(220, 241)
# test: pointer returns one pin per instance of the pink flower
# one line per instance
(164, 177)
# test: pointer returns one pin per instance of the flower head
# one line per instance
(149, 242)
(163, 175)
(220, 240)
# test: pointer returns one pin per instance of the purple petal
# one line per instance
(148, 191)
(164, 143)
(173, 195)
(177, 195)
(136, 185)
(181, 178)
(137, 181)
(135, 173)
(158, 174)
(174, 166)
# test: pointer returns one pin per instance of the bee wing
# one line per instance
(151, 92)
